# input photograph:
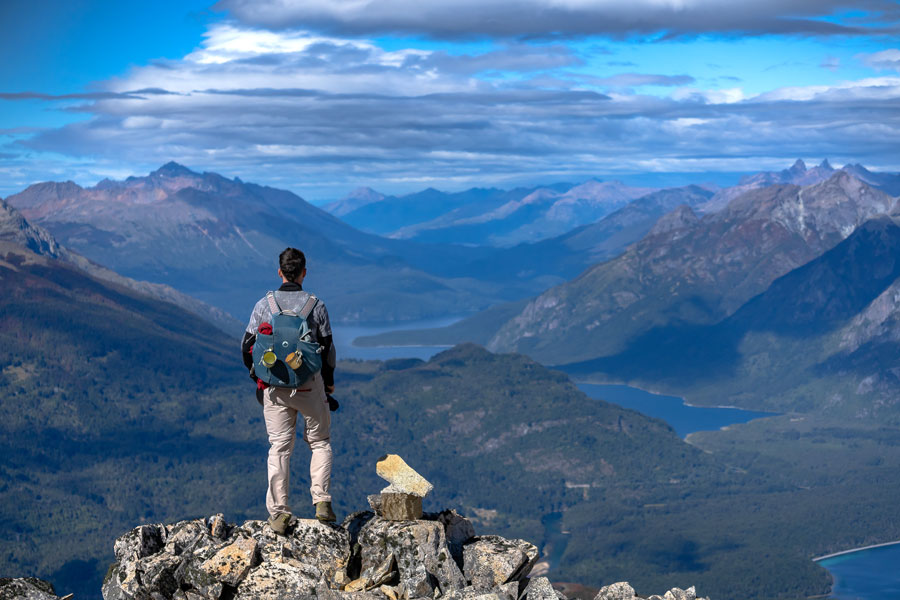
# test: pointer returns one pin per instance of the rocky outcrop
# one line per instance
(365, 557)
(28, 588)
(369, 555)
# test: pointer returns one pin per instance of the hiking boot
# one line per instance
(279, 523)
(324, 512)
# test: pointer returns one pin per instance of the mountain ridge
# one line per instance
(16, 229)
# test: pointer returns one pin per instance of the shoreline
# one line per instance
(682, 398)
(852, 550)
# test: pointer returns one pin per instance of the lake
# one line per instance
(864, 575)
(345, 334)
(683, 418)
(872, 574)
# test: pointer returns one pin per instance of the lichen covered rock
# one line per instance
(27, 588)
(491, 560)
(420, 547)
(364, 558)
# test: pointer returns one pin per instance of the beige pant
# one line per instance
(280, 408)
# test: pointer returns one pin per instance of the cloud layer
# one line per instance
(547, 18)
(323, 114)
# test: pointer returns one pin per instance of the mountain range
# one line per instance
(675, 310)
(121, 408)
(16, 230)
(218, 240)
(485, 216)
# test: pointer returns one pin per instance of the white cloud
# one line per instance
(886, 59)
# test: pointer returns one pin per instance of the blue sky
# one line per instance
(323, 96)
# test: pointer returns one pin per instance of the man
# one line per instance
(281, 405)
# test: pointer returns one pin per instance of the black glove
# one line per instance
(253, 373)
(333, 404)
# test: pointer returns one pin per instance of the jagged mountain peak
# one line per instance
(15, 228)
(826, 165)
(798, 167)
(173, 169)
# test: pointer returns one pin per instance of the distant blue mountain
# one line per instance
(486, 217)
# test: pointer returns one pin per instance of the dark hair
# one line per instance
(292, 262)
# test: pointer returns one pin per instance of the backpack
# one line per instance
(289, 356)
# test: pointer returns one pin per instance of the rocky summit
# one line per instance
(366, 556)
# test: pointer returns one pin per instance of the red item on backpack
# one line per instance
(265, 328)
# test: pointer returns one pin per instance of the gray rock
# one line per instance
(27, 588)
(414, 544)
(458, 531)
(380, 574)
(679, 594)
(279, 581)
(616, 591)
(473, 593)
(401, 507)
(417, 583)
(375, 503)
(489, 561)
(204, 585)
(232, 563)
(140, 542)
(187, 536)
(322, 545)
(539, 588)
(155, 574)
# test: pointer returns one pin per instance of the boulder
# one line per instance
(322, 545)
(232, 563)
(539, 588)
(473, 593)
(27, 588)
(189, 536)
(616, 591)
(401, 477)
(155, 574)
(489, 561)
(458, 530)
(279, 581)
(623, 591)
(141, 541)
(679, 594)
(400, 507)
(420, 548)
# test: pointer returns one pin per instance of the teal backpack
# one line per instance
(289, 356)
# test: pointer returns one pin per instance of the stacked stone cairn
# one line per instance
(396, 552)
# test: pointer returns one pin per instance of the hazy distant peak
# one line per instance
(826, 165)
(361, 196)
(173, 169)
(364, 192)
(798, 167)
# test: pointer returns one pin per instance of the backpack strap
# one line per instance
(273, 304)
(309, 306)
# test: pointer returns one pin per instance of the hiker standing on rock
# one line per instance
(288, 348)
